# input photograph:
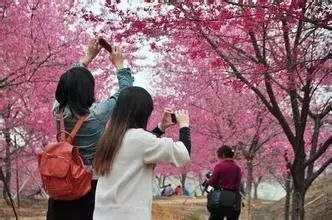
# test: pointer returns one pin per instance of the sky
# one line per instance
(147, 58)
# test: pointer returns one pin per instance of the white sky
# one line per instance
(143, 76)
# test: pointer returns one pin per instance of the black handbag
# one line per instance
(221, 198)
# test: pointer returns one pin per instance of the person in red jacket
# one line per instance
(226, 175)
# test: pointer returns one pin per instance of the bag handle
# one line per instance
(73, 133)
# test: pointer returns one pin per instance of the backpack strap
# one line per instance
(73, 133)
(63, 131)
(77, 126)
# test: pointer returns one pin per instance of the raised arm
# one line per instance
(165, 150)
(91, 52)
(103, 110)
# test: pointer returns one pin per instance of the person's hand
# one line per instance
(91, 52)
(117, 57)
(182, 116)
(166, 120)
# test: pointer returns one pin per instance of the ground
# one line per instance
(318, 203)
(318, 207)
(174, 208)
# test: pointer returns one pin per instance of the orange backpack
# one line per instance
(62, 171)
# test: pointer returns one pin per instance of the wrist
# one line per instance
(119, 66)
(85, 61)
(184, 125)
(161, 127)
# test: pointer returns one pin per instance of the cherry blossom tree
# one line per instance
(280, 50)
(36, 46)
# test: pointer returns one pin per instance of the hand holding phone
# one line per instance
(116, 53)
(102, 42)
(91, 52)
(168, 118)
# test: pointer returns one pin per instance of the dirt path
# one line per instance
(179, 208)
(175, 208)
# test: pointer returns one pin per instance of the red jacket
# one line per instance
(227, 175)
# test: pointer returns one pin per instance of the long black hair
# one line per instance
(132, 110)
(76, 90)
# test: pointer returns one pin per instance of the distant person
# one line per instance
(75, 98)
(226, 175)
(167, 190)
(127, 153)
(179, 190)
(186, 191)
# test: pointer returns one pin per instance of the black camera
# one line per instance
(206, 181)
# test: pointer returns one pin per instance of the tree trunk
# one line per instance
(249, 186)
(163, 180)
(298, 204)
(314, 143)
(201, 187)
(255, 190)
(256, 184)
(298, 174)
(17, 181)
(288, 192)
(183, 181)
(7, 176)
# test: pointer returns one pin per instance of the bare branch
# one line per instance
(310, 179)
(319, 152)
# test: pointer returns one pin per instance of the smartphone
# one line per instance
(104, 44)
(173, 118)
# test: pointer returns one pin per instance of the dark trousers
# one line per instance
(80, 209)
(223, 212)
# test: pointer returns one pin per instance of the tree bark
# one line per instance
(201, 187)
(288, 193)
(298, 204)
(163, 180)
(299, 189)
(7, 177)
(314, 143)
(256, 182)
(249, 186)
(183, 181)
(255, 190)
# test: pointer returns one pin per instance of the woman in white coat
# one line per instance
(127, 154)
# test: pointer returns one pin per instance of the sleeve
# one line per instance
(103, 110)
(165, 150)
(185, 138)
(157, 131)
(125, 79)
(214, 179)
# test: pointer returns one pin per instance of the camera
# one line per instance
(173, 118)
(206, 182)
